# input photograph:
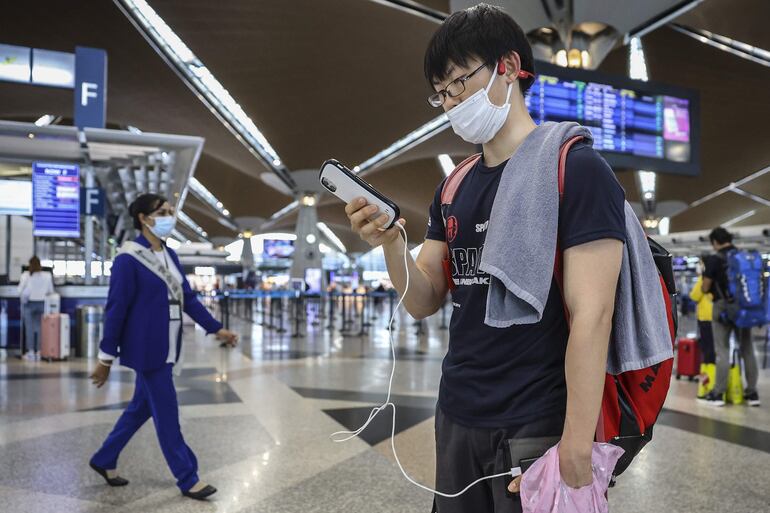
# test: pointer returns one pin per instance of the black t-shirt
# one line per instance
(494, 377)
(716, 269)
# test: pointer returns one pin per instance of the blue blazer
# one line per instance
(136, 318)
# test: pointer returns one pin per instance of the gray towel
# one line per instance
(528, 198)
(526, 208)
(640, 333)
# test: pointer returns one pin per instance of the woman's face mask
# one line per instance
(163, 226)
(164, 221)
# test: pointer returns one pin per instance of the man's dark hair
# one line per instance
(483, 31)
(720, 236)
(145, 204)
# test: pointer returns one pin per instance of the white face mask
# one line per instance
(477, 120)
(163, 226)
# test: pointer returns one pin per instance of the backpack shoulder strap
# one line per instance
(558, 269)
(563, 151)
(452, 183)
(448, 192)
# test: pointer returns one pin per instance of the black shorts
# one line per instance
(465, 454)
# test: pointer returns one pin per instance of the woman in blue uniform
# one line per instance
(143, 327)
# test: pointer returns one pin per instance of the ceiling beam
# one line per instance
(203, 83)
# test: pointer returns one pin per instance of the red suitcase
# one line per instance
(687, 358)
(55, 337)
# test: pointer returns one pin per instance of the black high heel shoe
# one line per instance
(200, 495)
(112, 481)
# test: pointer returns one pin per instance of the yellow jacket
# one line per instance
(705, 301)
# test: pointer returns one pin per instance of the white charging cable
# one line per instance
(514, 472)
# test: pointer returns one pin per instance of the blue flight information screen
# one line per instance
(56, 200)
(625, 121)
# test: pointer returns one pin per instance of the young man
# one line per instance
(526, 381)
(715, 281)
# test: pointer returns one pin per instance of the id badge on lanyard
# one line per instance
(174, 310)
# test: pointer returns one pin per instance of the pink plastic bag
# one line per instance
(543, 491)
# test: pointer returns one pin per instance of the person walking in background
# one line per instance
(705, 302)
(143, 326)
(715, 280)
(34, 286)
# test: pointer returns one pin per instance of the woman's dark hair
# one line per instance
(720, 236)
(34, 265)
(145, 204)
(484, 32)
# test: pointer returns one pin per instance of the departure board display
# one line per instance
(56, 200)
(15, 197)
(634, 124)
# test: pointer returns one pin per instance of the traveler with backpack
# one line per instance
(528, 357)
(716, 280)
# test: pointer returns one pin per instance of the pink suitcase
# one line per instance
(55, 337)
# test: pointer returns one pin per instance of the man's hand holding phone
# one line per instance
(359, 213)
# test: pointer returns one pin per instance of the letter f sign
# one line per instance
(87, 90)
(92, 200)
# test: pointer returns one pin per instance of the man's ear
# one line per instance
(512, 63)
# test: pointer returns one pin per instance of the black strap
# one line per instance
(725, 266)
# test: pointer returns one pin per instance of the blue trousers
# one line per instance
(154, 396)
(33, 315)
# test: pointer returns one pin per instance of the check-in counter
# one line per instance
(72, 297)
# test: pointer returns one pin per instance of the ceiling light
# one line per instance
(732, 186)
(202, 80)
(426, 131)
(560, 58)
(447, 166)
(664, 226)
(637, 64)
(586, 58)
(738, 219)
(205, 195)
(647, 180)
(192, 225)
(45, 120)
(332, 237)
(285, 210)
(573, 58)
(737, 48)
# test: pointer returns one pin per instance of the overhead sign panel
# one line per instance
(16, 197)
(635, 124)
(90, 87)
(56, 200)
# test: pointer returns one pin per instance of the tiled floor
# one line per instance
(259, 419)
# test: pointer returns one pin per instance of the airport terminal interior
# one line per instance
(228, 111)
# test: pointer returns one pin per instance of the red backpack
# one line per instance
(632, 400)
